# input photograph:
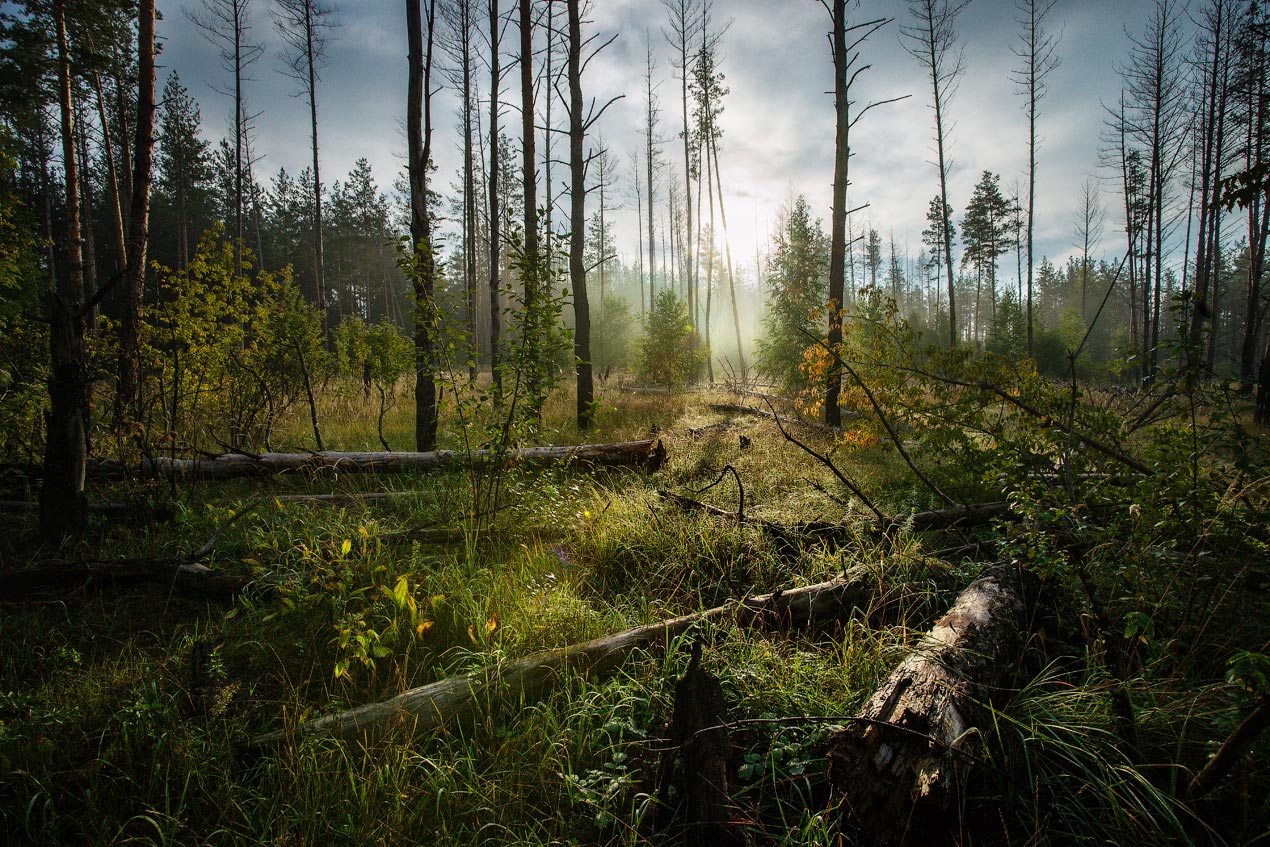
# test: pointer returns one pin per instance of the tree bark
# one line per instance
(431, 707)
(577, 219)
(838, 228)
(900, 764)
(495, 218)
(419, 139)
(138, 215)
(63, 506)
(648, 454)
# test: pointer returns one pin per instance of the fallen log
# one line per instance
(1231, 751)
(899, 764)
(185, 573)
(742, 409)
(148, 512)
(958, 517)
(181, 573)
(431, 707)
(645, 454)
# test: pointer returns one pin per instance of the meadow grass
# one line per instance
(125, 710)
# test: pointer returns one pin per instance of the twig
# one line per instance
(895, 439)
(824, 460)
(740, 506)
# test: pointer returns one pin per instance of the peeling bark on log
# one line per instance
(645, 454)
(431, 707)
(898, 767)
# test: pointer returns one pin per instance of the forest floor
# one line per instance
(128, 708)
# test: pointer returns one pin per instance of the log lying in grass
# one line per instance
(958, 517)
(182, 574)
(899, 764)
(431, 707)
(741, 409)
(645, 454)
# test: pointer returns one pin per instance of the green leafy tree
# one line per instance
(183, 170)
(985, 232)
(798, 285)
(668, 352)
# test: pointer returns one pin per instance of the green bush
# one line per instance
(669, 352)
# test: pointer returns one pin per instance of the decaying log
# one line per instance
(956, 517)
(180, 573)
(700, 749)
(184, 573)
(833, 534)
(431, 707)
(1231, 750)
(742, 409)
(898, 766)
(645, 454)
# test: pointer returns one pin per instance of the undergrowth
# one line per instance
(125, 710)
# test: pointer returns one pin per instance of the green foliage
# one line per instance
(670, 352)
(23, 336)
(798, 285)
(223, 349)
(615, 341)
(357, 344)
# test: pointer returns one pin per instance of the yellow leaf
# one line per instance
(345, 547)
(423, 628)
(491, 624)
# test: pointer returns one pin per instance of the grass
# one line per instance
(124, 711)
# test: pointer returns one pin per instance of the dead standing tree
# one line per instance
(932, 40)
(1038, 56)
(423, 257)
(581, 118)
(844, 59)
(304, 26)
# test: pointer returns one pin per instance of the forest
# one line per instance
(438, 466)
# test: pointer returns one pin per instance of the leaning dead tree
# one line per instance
(898, 766)
(645, 454)
(431, 707)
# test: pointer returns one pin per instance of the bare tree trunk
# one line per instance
(577, 224)
(108, 147)
(727, 249)
(63, 506)
(495, 216)
(138, 216)
(650, 130)
(419, 137)
(838, 224)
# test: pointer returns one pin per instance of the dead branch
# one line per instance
(431, 707)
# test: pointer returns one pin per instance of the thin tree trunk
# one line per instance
(138, 216)
(319, 247)
(495, 217)
(577, 224)
(419, 138)
(63, 506)
(727, 249)
(838, 226)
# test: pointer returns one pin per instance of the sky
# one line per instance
(778, 121)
